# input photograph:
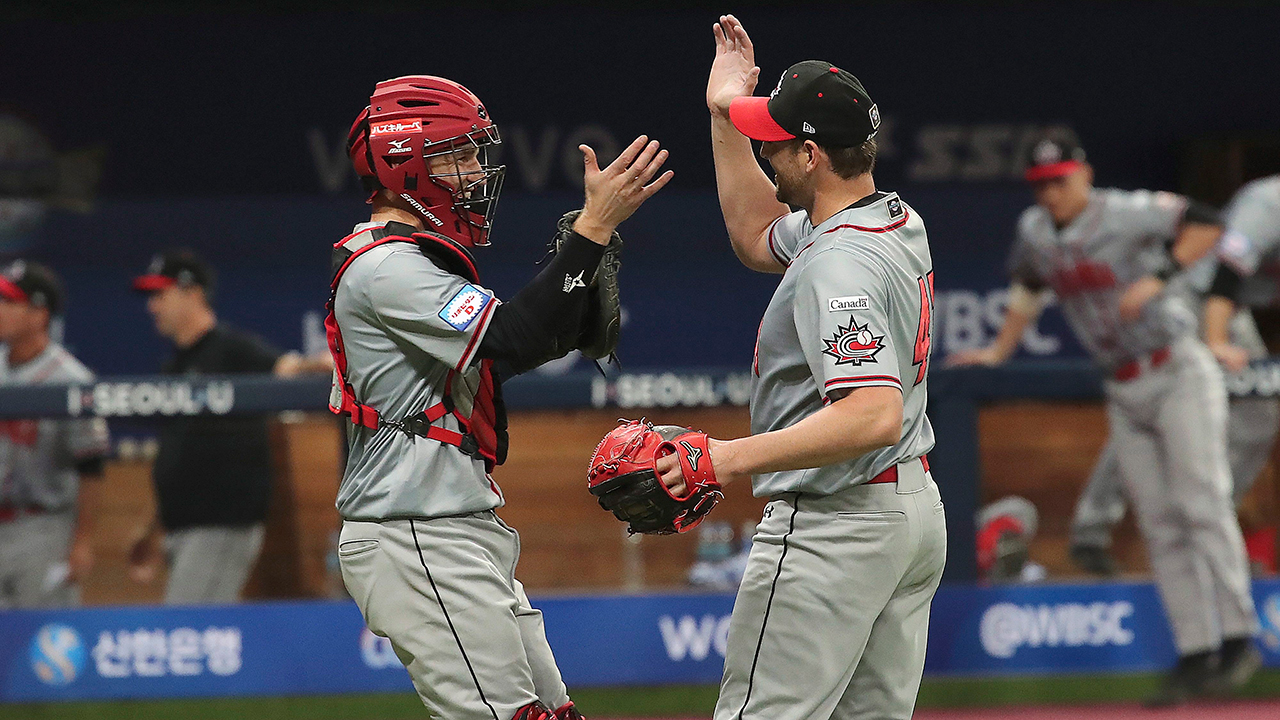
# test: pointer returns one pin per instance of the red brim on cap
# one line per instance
(152, 283)
(1056, 170)
(751, 116)
(9, 291)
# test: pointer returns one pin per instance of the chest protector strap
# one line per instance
(484, 433)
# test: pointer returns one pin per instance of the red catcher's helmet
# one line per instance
(411, 119)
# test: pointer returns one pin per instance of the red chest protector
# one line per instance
(484, 433)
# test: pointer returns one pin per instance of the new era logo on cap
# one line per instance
(809, 128)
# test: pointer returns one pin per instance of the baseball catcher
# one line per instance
(625, 479)
(418, 342)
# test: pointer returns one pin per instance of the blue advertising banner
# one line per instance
(322, 647)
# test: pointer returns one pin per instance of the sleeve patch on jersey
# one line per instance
(465, 306)
(849, 303)
(853, 344)
(895, 207)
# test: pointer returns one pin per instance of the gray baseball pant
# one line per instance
(444, 592)
(210, 565)
(1252, 424)
(33, 562)
(1168, 427)
(832, 616)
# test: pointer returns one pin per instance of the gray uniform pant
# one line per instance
(33, 562)
(209, 565)
(832, 615)
(444, 592)
(1168, 427)
(1252, 424)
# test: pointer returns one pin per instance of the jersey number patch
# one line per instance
(924, 332)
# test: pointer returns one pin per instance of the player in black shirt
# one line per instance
(213, 474)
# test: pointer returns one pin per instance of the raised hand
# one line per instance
(618, 190)
(733, 72)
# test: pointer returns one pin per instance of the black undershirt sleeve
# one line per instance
(1198, 212)
(547, 313)
(1226, 283)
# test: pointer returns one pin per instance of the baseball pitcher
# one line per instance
(832, 614)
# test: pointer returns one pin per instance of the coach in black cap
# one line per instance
(213, 474)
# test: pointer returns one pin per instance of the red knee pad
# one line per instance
(568, 712)
(534, 711)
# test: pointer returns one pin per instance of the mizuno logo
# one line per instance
(571, 282)
(398, 146)
(694, 454)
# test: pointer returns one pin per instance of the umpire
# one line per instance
(213, 474)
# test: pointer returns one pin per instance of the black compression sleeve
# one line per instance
(1198, 212)
(1226, 283)
(547, 312)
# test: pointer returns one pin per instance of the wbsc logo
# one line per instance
(1005, 627)
(694, 638)
(57, 655)
(1269, 615)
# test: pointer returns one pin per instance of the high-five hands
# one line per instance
(618, 190)
(733, 73)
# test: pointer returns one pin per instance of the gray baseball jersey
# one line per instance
(406, 323)
(1167, 420)
(1118, 238)
(38, 458)
(853, 309)
(1251, 242)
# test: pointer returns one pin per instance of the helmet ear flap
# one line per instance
(358, 147)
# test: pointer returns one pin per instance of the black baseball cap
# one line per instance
(175, 268)
(32, 283)
(814, 100)
(1053, 157)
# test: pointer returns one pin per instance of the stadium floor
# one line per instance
(1109, 697)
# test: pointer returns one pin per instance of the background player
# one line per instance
(414, 337)
(831, 616)
(1098, 250)
(1251, 242)
(50, 470)
(213, 474)
(1251, 422)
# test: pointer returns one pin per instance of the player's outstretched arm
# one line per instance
(1197, 235)
(545, 319)
(1024, 308)
(747, 196)
(1218, 311)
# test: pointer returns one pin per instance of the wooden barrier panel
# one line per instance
(1041, 451)
(1045, 452)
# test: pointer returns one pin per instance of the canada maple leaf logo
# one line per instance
(853, 344)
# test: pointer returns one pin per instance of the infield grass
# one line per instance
(675, 701)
